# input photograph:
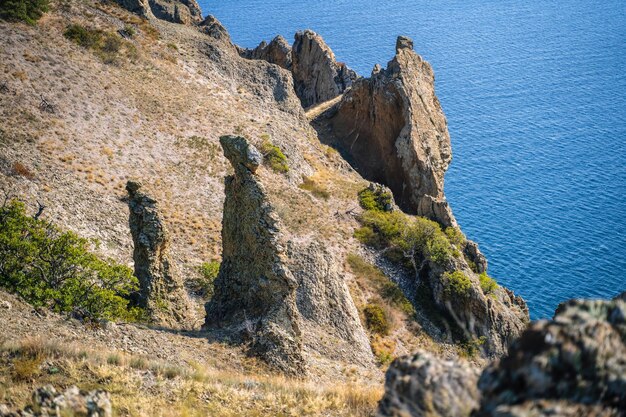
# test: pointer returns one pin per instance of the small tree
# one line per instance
(29, 11)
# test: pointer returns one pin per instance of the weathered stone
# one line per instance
(395, 133)
(423, 385)
(176, 11)
(284, 294)
(214, 28)
(161, 290)
(317, 76)
(46, 401)
(278, 52)
(474, 254)
(577, 359)
(254, 291)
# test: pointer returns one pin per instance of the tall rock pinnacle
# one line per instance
(161, 289)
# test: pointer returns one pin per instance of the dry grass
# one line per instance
(140, 386)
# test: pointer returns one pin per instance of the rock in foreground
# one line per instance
(46, 401)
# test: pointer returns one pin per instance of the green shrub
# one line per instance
(29, 11)
(404, 238)
(457, 284)
(487, 284)
(274, 157)
(376, 319)
(107, 45)
(375, 199)
(455, 236)
(54, 269)
(314, 188)
(470, 348)
(204, 284)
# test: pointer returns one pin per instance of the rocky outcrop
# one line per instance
(278, 52)
(176, 11)
(317, 76)
(573, 365)
(283, 294)
(423, 385)
(161, 291)
(214, 28)
(392, 129)
(575, 362)
(46, 401)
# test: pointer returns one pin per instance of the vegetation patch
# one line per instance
(314, 188)
(375, 199)
(274, 157)
(457, 284)
(376, 319)
(386, 288)
(55, 269)
(29, 11)
(203, 285)
(487, 284)
(406, 239)
(109, 46)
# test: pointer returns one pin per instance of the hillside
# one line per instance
(142, 128)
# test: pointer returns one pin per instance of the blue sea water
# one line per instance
(535, 96)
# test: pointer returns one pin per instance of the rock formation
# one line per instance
(176, 11)
(46, 401)
(278, 52)
(317, 76)
(575, 362)
(283, 294)
(573, 365)
(214, 28)
(392, 129)
(422, 385)
(161, 290)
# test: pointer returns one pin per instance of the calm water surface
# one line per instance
(535, 96)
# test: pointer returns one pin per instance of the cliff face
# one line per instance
(393, 130)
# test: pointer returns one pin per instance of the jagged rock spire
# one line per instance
(161, 290)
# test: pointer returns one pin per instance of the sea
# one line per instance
(535, 97)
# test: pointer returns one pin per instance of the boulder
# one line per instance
(214, 28)
(423, 385)
(46, 401)
(393, 130)
(286, 295)
(574, 363)
(161, 290)
(317, 76)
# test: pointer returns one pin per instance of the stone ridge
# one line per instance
(161, 290)
(176, 11)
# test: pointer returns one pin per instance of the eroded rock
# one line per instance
(317, 76)
(423, 385)
(46, 401)
(278, 52)
(575, 362)
(161, 290)
(284, 294)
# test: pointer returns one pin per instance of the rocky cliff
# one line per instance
(392, 129)
(573, 365)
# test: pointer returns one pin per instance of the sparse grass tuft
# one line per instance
(274, 157)
(314, 188)
(22, 170)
